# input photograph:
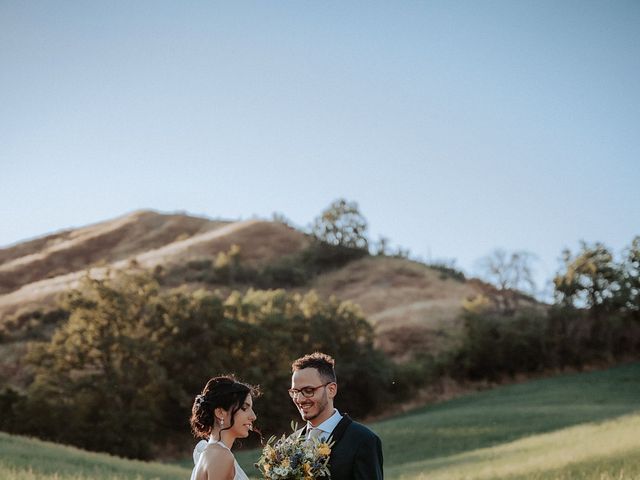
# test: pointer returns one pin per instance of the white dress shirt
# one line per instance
(326, 427)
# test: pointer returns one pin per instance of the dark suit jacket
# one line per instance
(356, 453)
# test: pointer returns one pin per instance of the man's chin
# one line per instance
(308, 415)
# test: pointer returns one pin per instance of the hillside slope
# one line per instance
(106, 242)
(29, 459)
(34, 274)
(411, 305)
(396, 295)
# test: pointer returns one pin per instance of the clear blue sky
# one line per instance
(458, 127)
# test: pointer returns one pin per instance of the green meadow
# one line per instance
(28, 459)
(578, 426)
(513, 431)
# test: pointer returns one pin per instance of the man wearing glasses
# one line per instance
(357, 451)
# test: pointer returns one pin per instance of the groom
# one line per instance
(357, 451)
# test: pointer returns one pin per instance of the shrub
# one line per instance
(448, 271)
(495, 345)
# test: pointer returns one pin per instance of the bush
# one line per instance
(495, 345)
(10, 402)
(293, 270)
(320, 256)
(287, 272)
(32, 325)
(576, 338)
(447, 271)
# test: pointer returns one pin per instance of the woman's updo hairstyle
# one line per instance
(220, 392)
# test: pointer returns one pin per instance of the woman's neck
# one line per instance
(225, 437)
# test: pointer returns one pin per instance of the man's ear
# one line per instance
(333, 389)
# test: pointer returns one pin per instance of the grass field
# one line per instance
(493, 424)
(593, 451)
(582, 426)
(29, 459)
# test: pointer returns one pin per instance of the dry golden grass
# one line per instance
(35, 273)
(393, 291)
(259, 242)
(410, 304)
(102, 243)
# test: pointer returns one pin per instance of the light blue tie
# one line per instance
(314, 433)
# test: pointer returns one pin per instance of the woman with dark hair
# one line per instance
(220, 414)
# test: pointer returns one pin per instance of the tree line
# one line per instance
(121, 373)
(594, 320)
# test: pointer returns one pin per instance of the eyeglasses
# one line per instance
(306, 392)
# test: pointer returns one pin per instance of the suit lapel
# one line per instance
(342, 426)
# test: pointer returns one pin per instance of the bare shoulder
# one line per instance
(218, 453)
(218, 462)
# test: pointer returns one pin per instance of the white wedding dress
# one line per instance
(197, 456)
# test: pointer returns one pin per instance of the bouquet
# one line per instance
(294, 458)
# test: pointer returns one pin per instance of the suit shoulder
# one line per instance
(361, 430)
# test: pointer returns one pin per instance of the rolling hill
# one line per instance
(410, 304)
(36, 272)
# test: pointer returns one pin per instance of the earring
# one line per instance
(222, 422)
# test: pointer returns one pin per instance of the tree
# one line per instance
(341, 225)
(602, 294)
(286, 326)
(591, 279)
(99, 373)
(382, 246)
(511, 273)
(227, 264)
(630, 292)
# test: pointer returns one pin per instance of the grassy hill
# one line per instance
(105, 242)
(413, 307)
(34, 273)
(28, 459)
(578, 426)
(533, 427)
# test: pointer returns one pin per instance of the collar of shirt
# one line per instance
(328, 425)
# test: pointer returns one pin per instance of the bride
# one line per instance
(220, 414)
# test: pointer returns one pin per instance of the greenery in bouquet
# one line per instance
(294, 458)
